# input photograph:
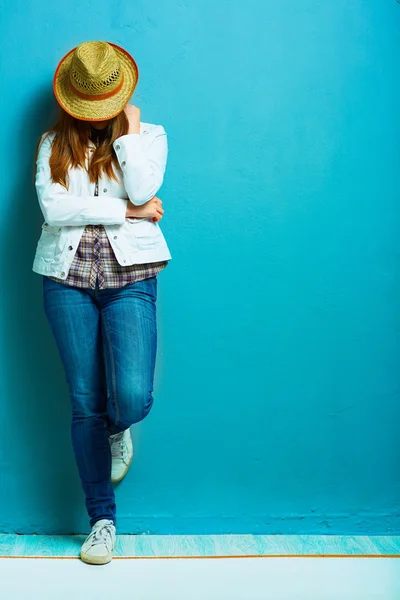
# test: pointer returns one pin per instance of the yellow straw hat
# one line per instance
(95, 80)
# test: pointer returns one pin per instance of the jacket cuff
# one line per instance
(109, 211)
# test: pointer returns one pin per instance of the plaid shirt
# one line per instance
(95, 261)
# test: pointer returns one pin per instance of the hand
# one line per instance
(133, 114)
(152, 209)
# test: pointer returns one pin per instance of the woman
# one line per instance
(98, 170)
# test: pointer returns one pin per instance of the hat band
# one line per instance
(98, 96)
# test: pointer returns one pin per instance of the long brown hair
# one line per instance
(70, 145)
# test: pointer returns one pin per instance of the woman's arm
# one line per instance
(143, 160)
(60, 207)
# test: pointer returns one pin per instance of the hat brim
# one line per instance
(95, 110)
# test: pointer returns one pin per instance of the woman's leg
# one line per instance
(128, 319)
(74, 319)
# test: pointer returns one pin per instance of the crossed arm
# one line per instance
(143, 165)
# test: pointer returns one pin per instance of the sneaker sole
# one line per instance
(124, 473)
(96, 560)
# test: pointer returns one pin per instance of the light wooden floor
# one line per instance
(140, 546)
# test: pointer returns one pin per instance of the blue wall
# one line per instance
(277, 383)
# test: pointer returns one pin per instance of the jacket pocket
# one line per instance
(146, 231)
(51, 228)
(51, 242)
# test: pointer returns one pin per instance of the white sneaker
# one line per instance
(121, 453)
(98, 547)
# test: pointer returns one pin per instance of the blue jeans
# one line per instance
(107, 341)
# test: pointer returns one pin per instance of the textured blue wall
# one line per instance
(277, 382)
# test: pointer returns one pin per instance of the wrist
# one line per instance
(132, 210)
(134, 129)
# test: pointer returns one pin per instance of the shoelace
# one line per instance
(102, 534)
(118, 445)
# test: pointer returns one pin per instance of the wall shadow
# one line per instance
(39, 415)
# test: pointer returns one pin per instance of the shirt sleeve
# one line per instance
(60, 207)
(143, 160)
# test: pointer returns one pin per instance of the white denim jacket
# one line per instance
(142, 157)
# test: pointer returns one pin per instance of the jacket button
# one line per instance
(69, 247)
(45, 224)
(123, 163)
(117, 147)
(115, 237)
(62, 274)
(105, 189)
